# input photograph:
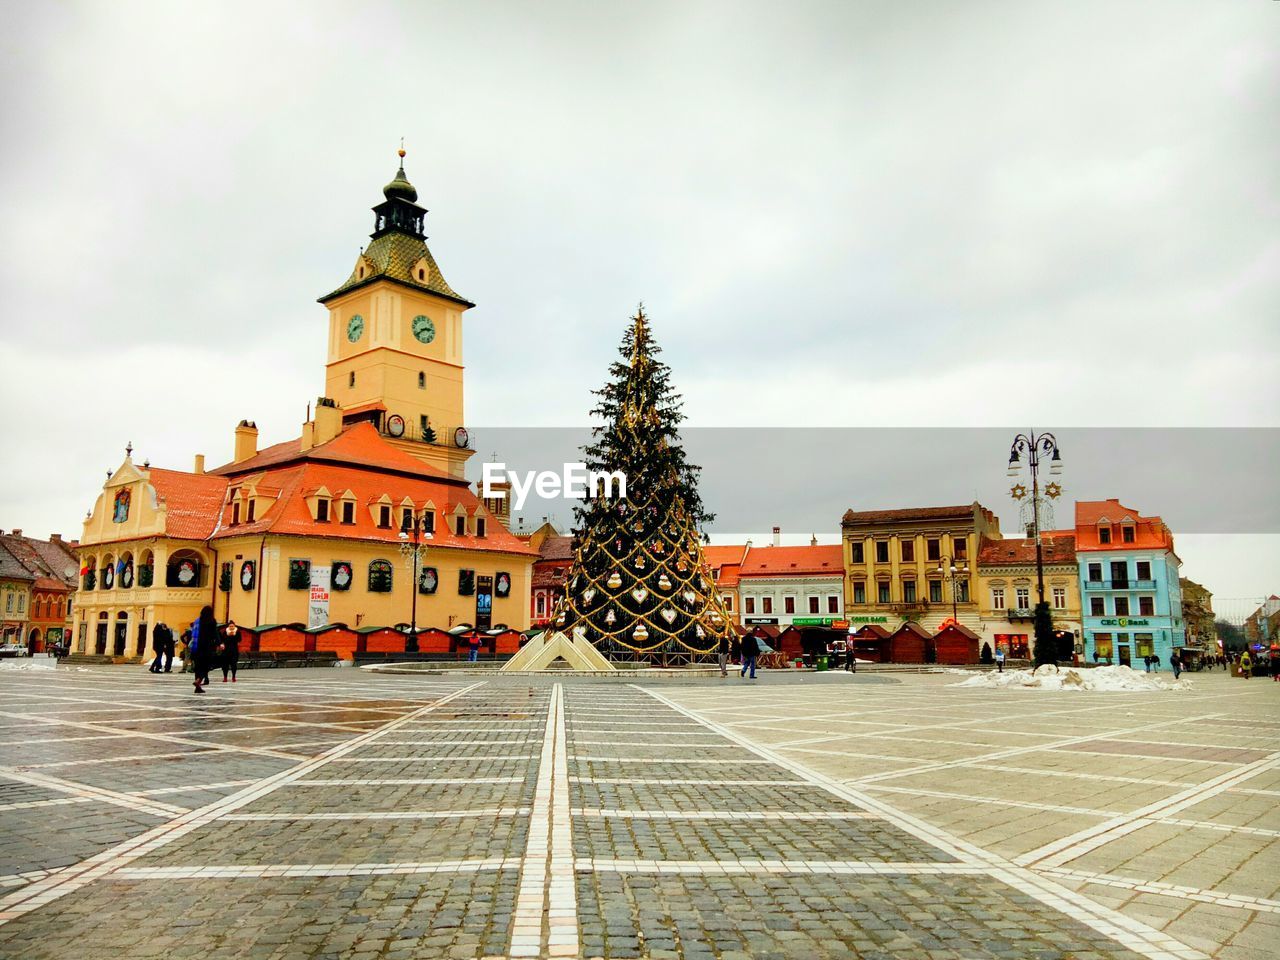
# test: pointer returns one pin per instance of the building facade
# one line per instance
(915, 564)
(550, 570)
(1008, 593)
(367, 508)
(725, 563)
(1129, 584)
(782, 586)
(45, 601)
(1262, 627)
(1197, 614)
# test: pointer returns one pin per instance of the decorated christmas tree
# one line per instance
(639, 587)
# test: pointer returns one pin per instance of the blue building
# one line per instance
(1131, 599)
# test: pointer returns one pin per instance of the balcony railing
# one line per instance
(1119, 584)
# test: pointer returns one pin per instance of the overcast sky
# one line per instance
(845, 214)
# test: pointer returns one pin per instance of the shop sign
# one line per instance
(872, 618)
(813, 621)
(1124, 622)
(762, 621)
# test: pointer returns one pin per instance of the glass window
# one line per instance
(961, 547)
(384, 516)
(1097, 608)
(1147, 606)
(406, 518)
(750, 604)
(1060, 598)
(788, 604)
(348, 511)
(908, 550)
(1024, 598)
(933, 548)
(882, 551)
(727, 600)
(299, 574)
(859, 593)
(1144, 569)
(997, 598)
(1122, 606)
(1104, 534)
(1102, 646)
(235, 513)
(1127, 534)
(962, 591)
(428, 521)
(540, 605)
(380, 576)
(882, 591)
(1143, 644)
(252, 504)
(766, 604)
(908, 591)
(1095, 572)
(480, 526)
(833, 604)
(460, 526)
(935, 591)
(322, 510)
(855, 552)
(814, 604)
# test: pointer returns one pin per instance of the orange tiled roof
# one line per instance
(727, 559)
(291, 515)
(193, 501)
(1056, 547)
(359, 445)
(964, 512)
(824, 559)
(1149, 532)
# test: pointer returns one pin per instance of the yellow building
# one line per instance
(914, 564)
(1008, 593)
(382, 455)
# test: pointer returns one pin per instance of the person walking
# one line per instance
(204, 644)
(185, 653)
(1175, 662)
(1000, 659)
(473, 647)
(1246, 665)
(750, 650)
(169, 644)
(850, 656)
(1275, 665)
(722, 655)
(230, 647)
(157, 644)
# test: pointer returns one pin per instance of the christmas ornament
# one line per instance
(640, 633)
(588, 594)
(1017, 491)
(1053, 490)
(610, 618)
(668, 615)
(615, 580)
(640, 593)
(664, 582)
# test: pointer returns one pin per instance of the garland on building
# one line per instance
(639, 584)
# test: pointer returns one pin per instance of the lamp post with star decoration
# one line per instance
(1033, 447)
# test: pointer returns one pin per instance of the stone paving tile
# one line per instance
(209, 767)
(345, 841)
(623, 838)
(59, 836)
(783, 916)
(15, 792)
(396, 918)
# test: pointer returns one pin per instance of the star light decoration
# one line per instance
(1053, 490)
(1017, 491)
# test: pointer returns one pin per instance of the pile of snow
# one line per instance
(1095, 678)
(28, 663)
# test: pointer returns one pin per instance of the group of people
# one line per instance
(1259, 667)
(204, 647)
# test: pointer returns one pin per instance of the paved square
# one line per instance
(334, 813)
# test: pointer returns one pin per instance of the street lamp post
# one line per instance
(949, 570)
(412, 532)
(1033, 447)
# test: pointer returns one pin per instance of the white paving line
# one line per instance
(232, 872)
(125, 759)
(192, 788)
(47, 802)
(717, 867)
(693, 783)
(437, 758)
(73, 878)
(785, 815)
(1104, 777)
(547, 888)
(679, 761)
(154, 808)
(1236, 901)
(1137, 936)
(1065, 849)
(996, 801)
(385, 815)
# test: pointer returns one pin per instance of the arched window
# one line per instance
(380, 576)
(108, 572)
(147, 569)
(185, 569)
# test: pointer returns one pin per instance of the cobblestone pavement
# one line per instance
(318, 814)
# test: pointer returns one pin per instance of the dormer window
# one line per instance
(406, 518)
(384, 516)
(460, 526)
(428, 521)
(1127, 533)
(252, 503)
(348, 511)
(422, 274)
(322, 511)
(235, 512)
(1104, 534)
(480, 526)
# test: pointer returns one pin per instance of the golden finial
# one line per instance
(401, 150)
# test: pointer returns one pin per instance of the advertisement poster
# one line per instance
(484, 603)
(318, 608)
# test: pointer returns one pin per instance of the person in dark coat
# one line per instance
(157, 644)
(230, 650)
(750, 650)
(204, 635)
(170, 645)
(850, 656)
(722, 655)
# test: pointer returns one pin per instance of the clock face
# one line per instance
(395, 425)
(355, 327)
(460, 437)
(424, 328)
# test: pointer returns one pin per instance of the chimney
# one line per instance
(328, 421)
(15, 532)
(813, 539)
(55, 538)
(199, 465)
(246, 441)
(777, 536)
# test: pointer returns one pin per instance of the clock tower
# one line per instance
(395, 338)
